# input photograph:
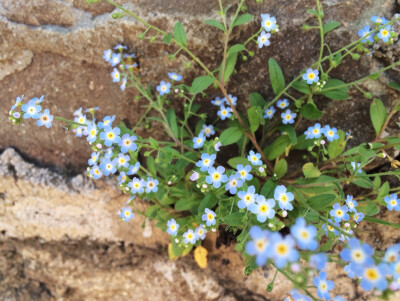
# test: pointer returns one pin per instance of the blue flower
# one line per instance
(283, 250)
(392, 202)
(329, 228)
(351, 204)
(218, 101)
(283, 197)
(107, 121)
(233, 99)
(224, 112)
(392, 254)
(136, 185)
(311, 76)
(339, 213)
(92, 133)
(107, 55)
(314, 132)
(357, 255)
(244, 172)
(358, 217)
(233, 184)
(323, 286)
(372, 276)
(116, 76)
(269, 113)
(127, 143)
(263, 208)
(216, 176)
(115, 59)
(189, 237)
(384, 34)
(45, 119)
(209, 217)
(378, 20)
(254, 158)
(151, 185)
(108, 153)
(288, 117)
(133, 169)
(110, 135)
(123, 83)
(207, 130)
(31, 110)
(200, 232)
(123, 160)
(172, 227)
(122, 177)
(295, 295)
(194, 176)
(108, 166)
(330, 133)
(318, 261)
(258, 245)
(305, 235)
(126, 214)
(93, 158)
(163, 87)
(350, 272)
(247, 197)
(281, 104)
(353, 165)
(174, 76)
(206, 161)
(364, 32)
(120, 47)
(96, 172)
(268, 22)
(199, 141)
(263, 39)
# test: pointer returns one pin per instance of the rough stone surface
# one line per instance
(61, 239)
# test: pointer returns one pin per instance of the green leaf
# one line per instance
(363, 182)
(330, 26)
(254, 118)
(234, 219)
(335, 89)
(378, 115)
(171, 117)
(280, 168)
(277, 147)
(369, 208)
(215, 23)
(336, 147)
(374, 76)
(256, 99)
(235, 49)
(201, 83)
(313, 12)
(151, 165)
(302, 86)
(209, 201)
(167, 39)
(311, 171)
(303, 143)
(230, 136)
(383, 191)
(321, 201)
(394, 85)
(327, 246)
(290, 132)
(179, 34)
(382, 222)
(268, 189)
(242, 19)
(230, 65)
(153, 142)
(186, 204)
(276, 77)
(238, 160)
(310, 111)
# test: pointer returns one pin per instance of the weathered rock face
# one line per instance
(61, 236)
(61, 239)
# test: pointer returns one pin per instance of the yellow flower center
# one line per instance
(330, 133)
(242, 173)
(304, 234)
(136, 185)
(190, 236)
(210, 216)
(233, 183)
(371, 274)
(216, 176)
(284, 198)
(93, 132)
(311, 75)
(268, 23)
(224, 112)
(127, 142)
(163, 88)
(281, 249)
(172, 227)
(151, 184)
(260, 245)
(393, 202)
(315, 131)
(385, 32)
(288, 117)
(110, 135)
(339, 212)
(263, 208)
(44, 118)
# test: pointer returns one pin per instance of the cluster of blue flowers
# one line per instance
(385, 34)
(31, 109)
(268, 23)
(316, 131)
(122, 63)
(225, 111)
(165, 87)
(287, 117)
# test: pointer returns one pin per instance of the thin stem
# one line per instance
(321, 31)
(392, 112)
(69, 121)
